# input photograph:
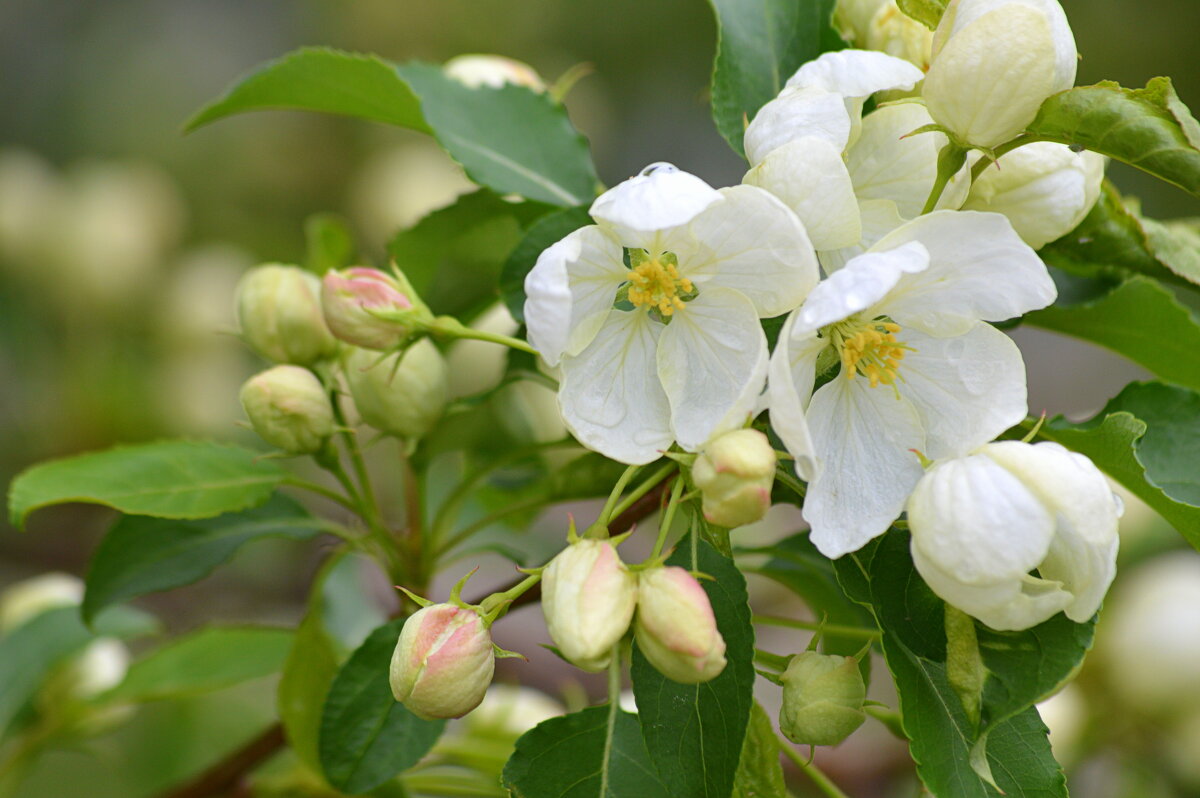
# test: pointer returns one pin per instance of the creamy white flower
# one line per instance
(918, 369)
(1043, 188)
(994, 63)
(669, 347)
(881, 25)
(980, 524)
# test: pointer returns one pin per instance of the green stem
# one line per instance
(983, 163)
(321, 490)
(644, 488)
(488, 520)
(419, 555)
(816, 626)
(664, 526)
(614, 706)
(773, 661)
(615, 495)
(813, 772)
(950, 160)
(450, 327)
(498, 601)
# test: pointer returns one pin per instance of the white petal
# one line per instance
(610, 395)
(752, 243)
(790, 379)
(712, 360)
(885, 165)
(856, 73)
(979, 268)
(863, 437)
(859, 285)
(879, 217)
(991, 76)
(808, 174)
(570, 291)
(661, 196)
(794, 114)
(968, 388)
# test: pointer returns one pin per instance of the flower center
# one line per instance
(655, 283)
(869, 348)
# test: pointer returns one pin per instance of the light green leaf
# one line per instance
(210, 659)
(366, 736)
(142, 555)
(330, 244)
(541, 234)
(1140, 319)
(927, 12)
(168, 479)
(1146, 438)
(596, 753)
(322, 79)
(1148, 128)
(759, 773)
(760, 44)
(695, 732)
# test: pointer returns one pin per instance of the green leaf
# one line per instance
(330, 243)
(760, 44)
(1140, 319)
(209, 659)
(759, 773)
(322, 79)
(366, 736)
(1148, 128)
(31, 650)
(596, 753)
(453, 256)
(141, 555)
(588, 475)
(1146, 438)
(694, 732)
(168, 479)
(512, 139)
(927, 12)
(541, 234)
(1022, 668)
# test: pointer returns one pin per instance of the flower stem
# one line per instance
(824, 784)
(321, 490)
(644, 488)
(613, 497)
(664, 527)
(982, 164)
(950, 160)
(816, 626)
(450, 327)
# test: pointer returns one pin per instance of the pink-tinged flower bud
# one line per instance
(288, 408)
(734, 474)
(822, 699)
(675, 627)
(356, 301)
(588, 598)
(443, 662)
(279, 310)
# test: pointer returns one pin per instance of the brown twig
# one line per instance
(225, 777)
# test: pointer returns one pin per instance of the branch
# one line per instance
(225, 776)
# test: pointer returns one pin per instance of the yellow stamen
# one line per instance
(654, 284)
(870, 348)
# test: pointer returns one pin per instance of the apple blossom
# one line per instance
(279, 310)
(588, 598)
(669, 347)
(402, 394)
(675, 626)
(289, 408)
(443, 662)
(735, 473)
(356, 300)
(822, 699)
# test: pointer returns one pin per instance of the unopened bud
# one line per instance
(822, 699)
(443, 662)
(401, 394)
(588, 598)
(23, 600)
(371, 309)
(493, 71)
(734, 474)
(279, 310)
(675, 627)
(288, 408)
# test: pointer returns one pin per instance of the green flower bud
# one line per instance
(405, 400)
(279, 309)
(734, 474)
(288, 407)
(822, 699)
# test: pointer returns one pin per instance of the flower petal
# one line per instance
(752, 243)
(712, 360)
(887, 163)
(570, 291)
(979, 268)
(860, 284)
(879, 217)
(661, 196)
(610, 395)
(863, 437)
(808, 174)
(794, 114)
(856, 73)
(790, 379)
(968, 388)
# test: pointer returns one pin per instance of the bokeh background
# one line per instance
(121, 241)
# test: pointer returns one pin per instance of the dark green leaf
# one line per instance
(586, 476)
(1148, 128)
(142, 555)
(694, 732)
(760, 44)
(759, 773)
(927, 12)
(512, 139)
(203, 661)
(366, 736)
(1140, 319)
(1022, 668)
(596, 753)
(540, 235)
(168, 479)
(330, 243)
(1146, 438)
(322, 79)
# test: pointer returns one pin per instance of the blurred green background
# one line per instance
(121, 241)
